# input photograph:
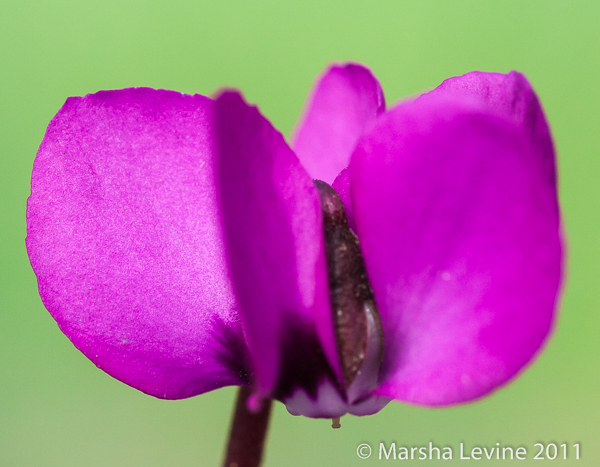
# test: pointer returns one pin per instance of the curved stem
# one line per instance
(248, 432)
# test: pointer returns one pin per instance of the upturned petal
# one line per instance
(275, 244)
(345, 101)
(460, 235)
(513, 96)
(124, 235)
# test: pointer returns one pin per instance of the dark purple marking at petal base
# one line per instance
(350, 294)
(273, 225)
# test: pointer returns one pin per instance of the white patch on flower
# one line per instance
(441, 322)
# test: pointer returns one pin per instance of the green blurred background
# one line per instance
(58, 409)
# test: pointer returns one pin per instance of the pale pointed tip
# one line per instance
(335, 422)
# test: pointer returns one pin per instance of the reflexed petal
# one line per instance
(124, 236)
(343, 103)
(275, 241)
(511, 95)
(460, 235)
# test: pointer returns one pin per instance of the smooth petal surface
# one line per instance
(275, 241)
(123, 233)
(510, 95)
(341, 184)
(343, 103)
(460, 235)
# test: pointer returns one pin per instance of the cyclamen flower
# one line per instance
(179, 241)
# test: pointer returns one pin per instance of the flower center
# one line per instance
(357, 327)
(356, 320)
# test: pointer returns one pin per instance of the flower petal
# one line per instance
(460, 235)
(124, 237)
(341, 185)
(512, 96)
(275, 242)
(344, 102)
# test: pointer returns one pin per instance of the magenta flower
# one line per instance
(179, 241)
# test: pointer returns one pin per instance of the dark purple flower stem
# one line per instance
(248, 432)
